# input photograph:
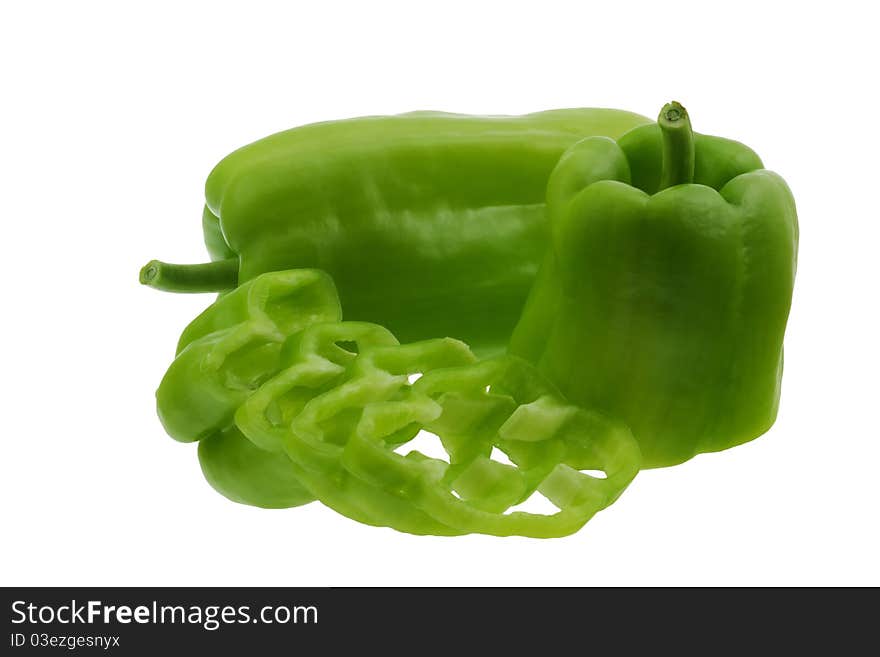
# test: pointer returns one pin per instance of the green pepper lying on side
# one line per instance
(431, 224)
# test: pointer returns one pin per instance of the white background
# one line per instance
(113, 116)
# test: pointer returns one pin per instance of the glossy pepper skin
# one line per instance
(430, 224)
(665, 295)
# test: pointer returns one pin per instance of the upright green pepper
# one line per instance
(430, 224)
(666, 292)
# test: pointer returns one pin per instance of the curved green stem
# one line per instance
(678, 146)
(214, 276)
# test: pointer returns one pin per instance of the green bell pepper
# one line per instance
(222, 357)
(665, 295)
(431, 224)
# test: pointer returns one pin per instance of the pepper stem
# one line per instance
(215, 276)
(678, 146)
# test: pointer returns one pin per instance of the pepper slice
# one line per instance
(499, 404)
(321, 360)
(223, 356)
(342, 441)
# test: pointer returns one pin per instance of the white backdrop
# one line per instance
(111, 119)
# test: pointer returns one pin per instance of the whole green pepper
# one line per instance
(430, 224)
(664, 299)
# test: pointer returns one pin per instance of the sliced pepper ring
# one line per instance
(320, 367)
(227, 351)
(223, 355)
(312, 362)
(500, 403)
(341, 442)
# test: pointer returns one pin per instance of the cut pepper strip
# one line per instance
(233, 346)
(223, 355)
(342, 440)
(499, 403)
(319, 367)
